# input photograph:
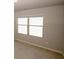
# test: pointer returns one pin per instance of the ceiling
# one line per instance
(30, 4)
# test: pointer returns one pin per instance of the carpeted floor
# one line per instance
(25, 51)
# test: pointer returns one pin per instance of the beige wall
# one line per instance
(53, 26)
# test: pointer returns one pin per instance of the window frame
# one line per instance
(28, 26)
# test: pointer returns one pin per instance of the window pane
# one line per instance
(22, 29)
(36, 31)
(36, 21)
(22, 21)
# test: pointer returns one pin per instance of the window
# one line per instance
(34, 25)
(22, 25)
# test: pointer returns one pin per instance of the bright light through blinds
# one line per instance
(36, 31)
(36, 26)
(36, 21)
(22, 21)
(22, 25)
(22, 29)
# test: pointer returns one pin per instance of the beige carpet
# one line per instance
(25, 51)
